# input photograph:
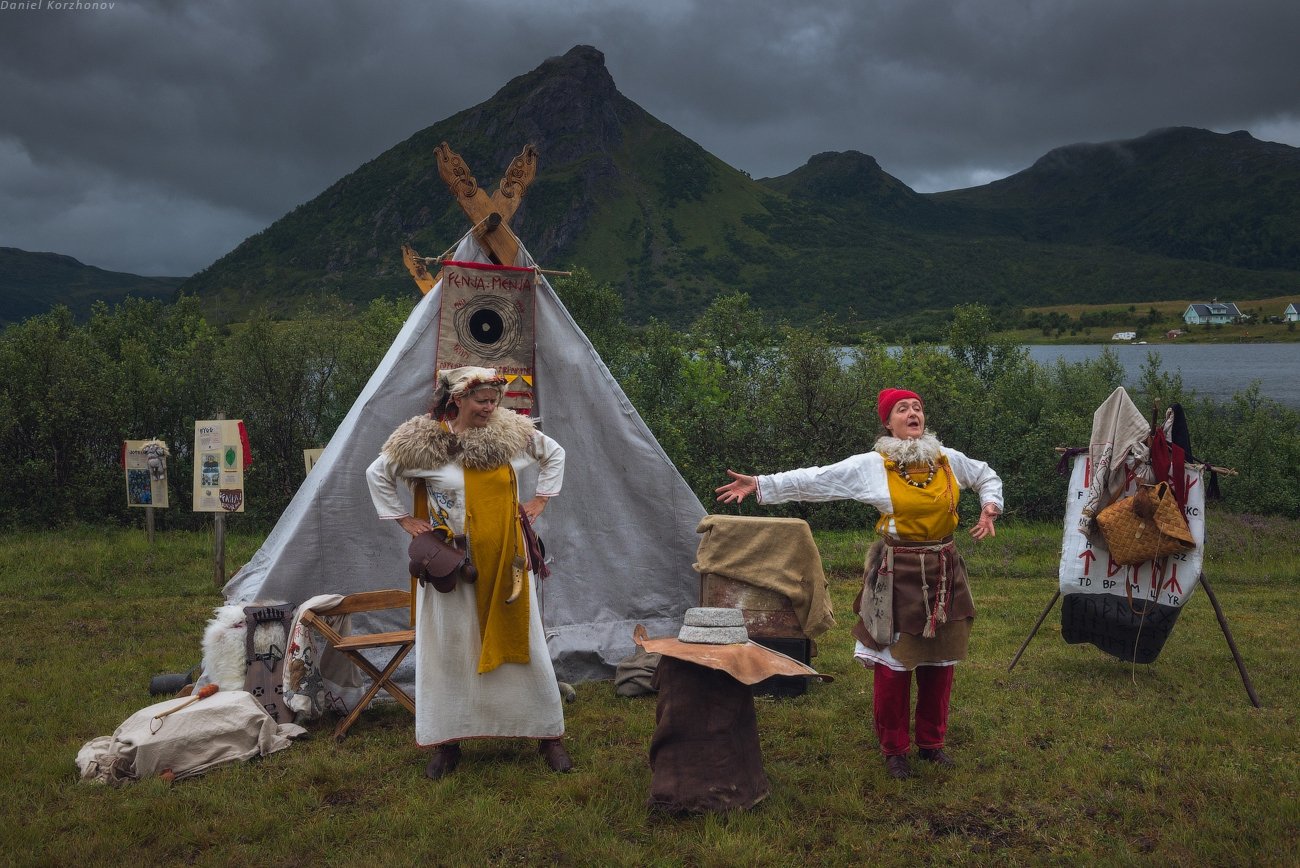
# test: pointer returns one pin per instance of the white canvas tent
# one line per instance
(620, 538)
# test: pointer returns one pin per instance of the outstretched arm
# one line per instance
(984, 527)
(740, 487)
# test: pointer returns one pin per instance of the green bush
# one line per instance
(734, 390)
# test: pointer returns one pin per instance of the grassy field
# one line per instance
(1073, 758)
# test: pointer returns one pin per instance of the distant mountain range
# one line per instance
(1176, 213)
(32, 283)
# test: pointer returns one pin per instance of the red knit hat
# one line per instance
(888, 398)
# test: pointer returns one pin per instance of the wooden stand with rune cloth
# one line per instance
(1124, 608)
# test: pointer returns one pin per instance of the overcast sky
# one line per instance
(152, 136)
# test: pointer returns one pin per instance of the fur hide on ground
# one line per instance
(224, 660)
(225, 655)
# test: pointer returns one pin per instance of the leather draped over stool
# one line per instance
(705, 753)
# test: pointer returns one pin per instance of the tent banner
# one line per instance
(487, 319)
(145, 462)
(218, 466)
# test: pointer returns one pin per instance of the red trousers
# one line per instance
(892, 702)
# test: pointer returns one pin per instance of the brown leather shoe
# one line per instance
(445, 759)
(937, 756)
(552, 750)
(898, 767)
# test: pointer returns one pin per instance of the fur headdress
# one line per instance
(454, 382)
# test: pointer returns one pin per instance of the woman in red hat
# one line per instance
(915, 608)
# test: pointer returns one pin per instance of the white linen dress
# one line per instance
(453, 701)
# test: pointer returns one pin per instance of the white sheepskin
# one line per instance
(225, 660)
(223, 648)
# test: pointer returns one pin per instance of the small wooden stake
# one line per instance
(219, 540)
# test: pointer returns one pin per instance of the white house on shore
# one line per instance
(1292, 312)
(1216, 313)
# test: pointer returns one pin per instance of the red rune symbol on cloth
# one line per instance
(1192, 480)
(1088, 558)
(1112, 568)
(1172, 585)
(1087, 473)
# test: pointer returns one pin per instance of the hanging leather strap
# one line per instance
(420, 494)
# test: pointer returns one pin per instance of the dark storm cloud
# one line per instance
(154, 136)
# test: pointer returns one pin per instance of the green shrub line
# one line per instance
(738, 388)
(1073, 757)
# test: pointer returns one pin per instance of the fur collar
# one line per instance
(925, 449)
(423, 443)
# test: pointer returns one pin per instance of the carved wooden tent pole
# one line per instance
(489, 215)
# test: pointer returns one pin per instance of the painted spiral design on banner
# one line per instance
(489, 327)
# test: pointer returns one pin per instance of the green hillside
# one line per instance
(32, 283)
(1175, 214)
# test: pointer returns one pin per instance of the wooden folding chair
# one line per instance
(402, 641)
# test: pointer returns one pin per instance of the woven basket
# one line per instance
(1145, 526)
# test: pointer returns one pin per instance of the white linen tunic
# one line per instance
(453, 701)
(864, 478)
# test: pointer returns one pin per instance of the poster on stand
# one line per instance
(218, 466)
(145, 463)
(310, 457)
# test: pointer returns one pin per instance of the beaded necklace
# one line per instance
(902, 471)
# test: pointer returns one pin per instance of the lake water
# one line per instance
(1216, 371)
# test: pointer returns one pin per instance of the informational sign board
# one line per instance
(486, 319)
(218, 466)
(310, 457)
(145, 462)
(1096, 591)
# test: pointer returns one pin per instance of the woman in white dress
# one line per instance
(482, 668)
(915, 608)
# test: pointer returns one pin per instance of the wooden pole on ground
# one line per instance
(219, 540)
(1037, 624)
(148, 523)
(1232, 645)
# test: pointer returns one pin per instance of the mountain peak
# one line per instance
(579, 56)
(569, 102)
(839, 177)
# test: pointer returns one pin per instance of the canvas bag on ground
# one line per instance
(227, 727)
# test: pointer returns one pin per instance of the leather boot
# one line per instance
(445, 759)
(898, 767)
(937, 756)
(552, 750)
